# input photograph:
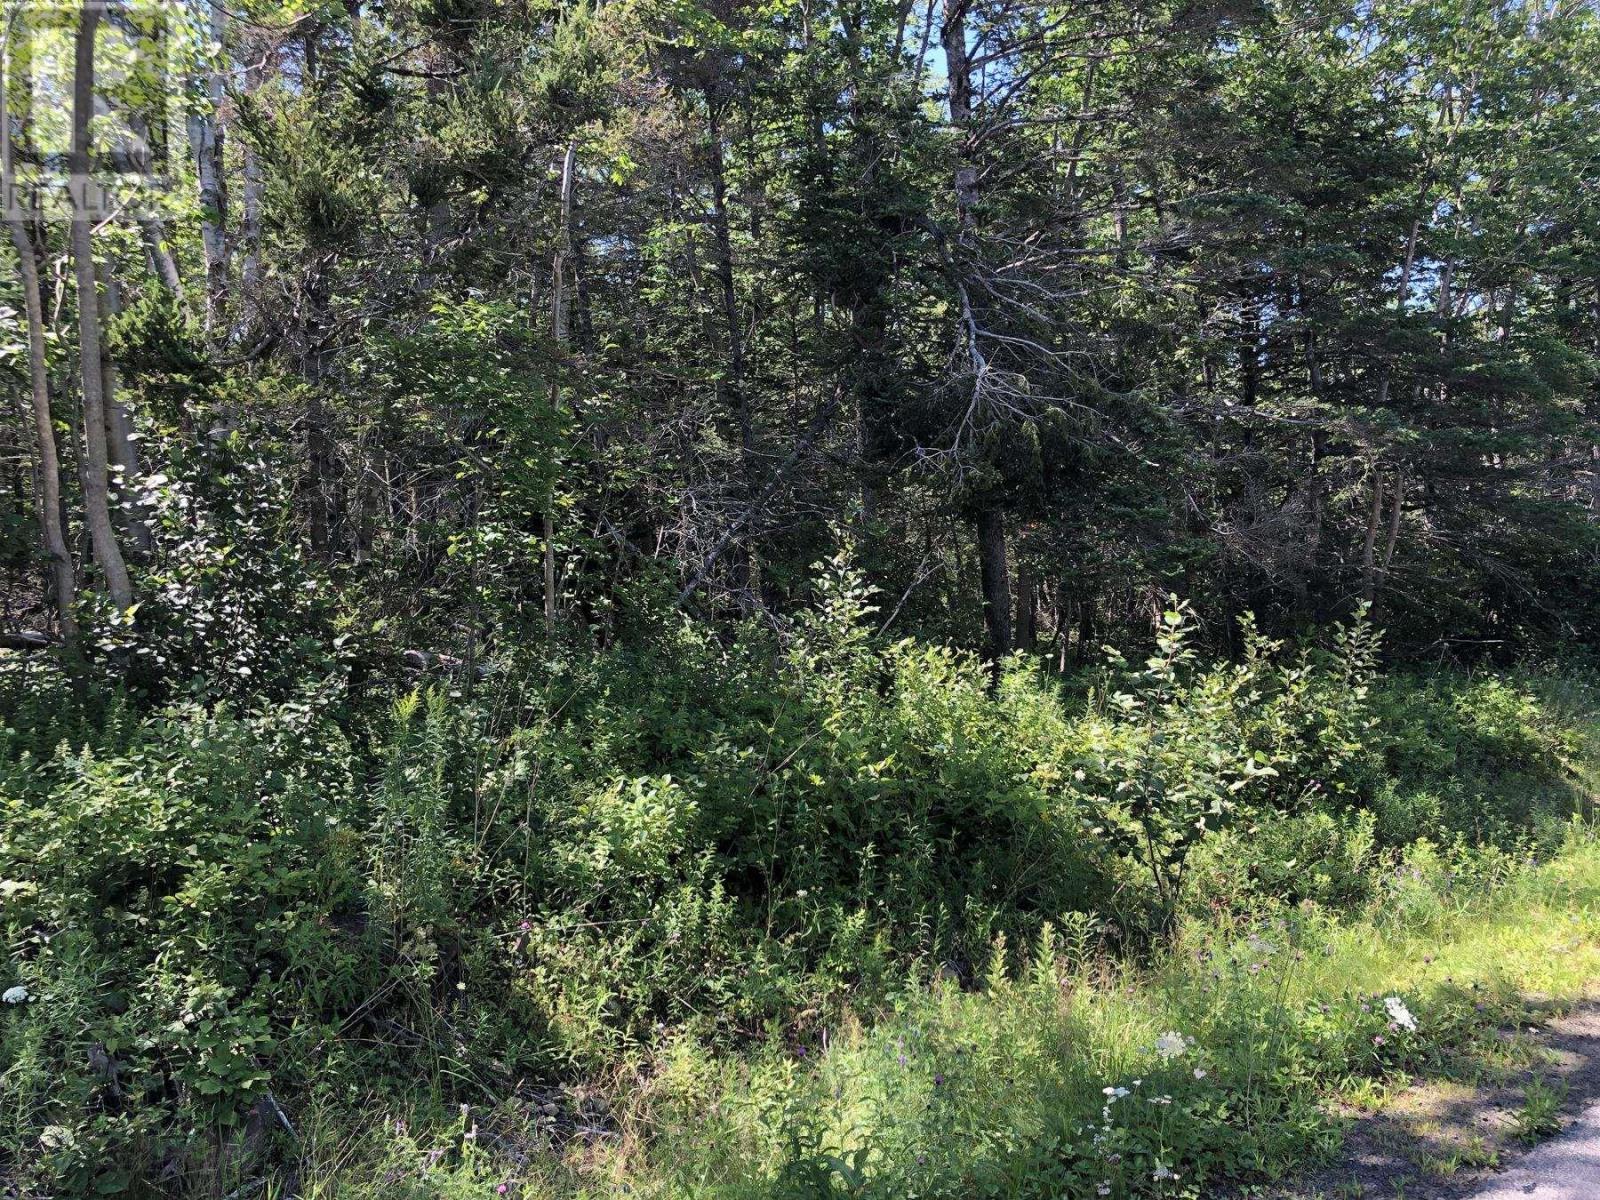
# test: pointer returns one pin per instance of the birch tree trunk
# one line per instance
(159, 252)
(122, 446)
(559, 269)
(1370, 542)
(96, 493)
(206, 144)
(52, 532)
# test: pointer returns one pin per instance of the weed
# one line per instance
(1540, 1115)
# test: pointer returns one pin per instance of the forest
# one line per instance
(787, 599)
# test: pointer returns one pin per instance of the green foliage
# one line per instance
(167, 905)
(227, 910)
(229, 607)
(1540, 1114)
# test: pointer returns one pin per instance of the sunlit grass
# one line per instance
(1000, 1090)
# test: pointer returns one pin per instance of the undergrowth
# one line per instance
(811, 915)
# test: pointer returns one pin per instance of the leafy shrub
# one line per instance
(225, 909)
(228, 608)
(166, 906)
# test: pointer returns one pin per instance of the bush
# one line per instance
(166, 903)
(224, 910)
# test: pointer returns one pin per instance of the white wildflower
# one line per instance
(1116, 1093)
(15, 995)
(1163, 1171)
(1171, 1045)
(1399, 1013)
(1199, 1072)
(1103, 1188)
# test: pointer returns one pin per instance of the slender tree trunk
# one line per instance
(52, 528)
(250, 208)
(953, 37)
(121, 443)
(559, 270)
(995, 576)
(1085, 628)
(988, 517)
(1027, 613)
(96, 493)
(1393, 535)
(159, 252)
(320, 506)
(735, 397)
(1370, 542)
(206, 143)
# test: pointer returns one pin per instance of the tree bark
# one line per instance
(1370, 542)
(96, 495)
(1026, 628)
(250, 209)
(52, 531)
(558, 332)
(159, 251)
(321, 508)
(953, 38)
(1393, 534)
(735, 398)
(995, 576)
(122, 447)
(206, 144)
(989, 518)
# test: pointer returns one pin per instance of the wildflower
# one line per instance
(1170, 1045)
(1199, 1072)
(1103, 1188)
(1378, 1039)
(938, 1080)
(1163, 1171)
(16, 995)
(1116, 1093)
(1400, 1014)
(503, 1189)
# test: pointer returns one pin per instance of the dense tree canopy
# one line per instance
(515, 318)
(787, 599)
